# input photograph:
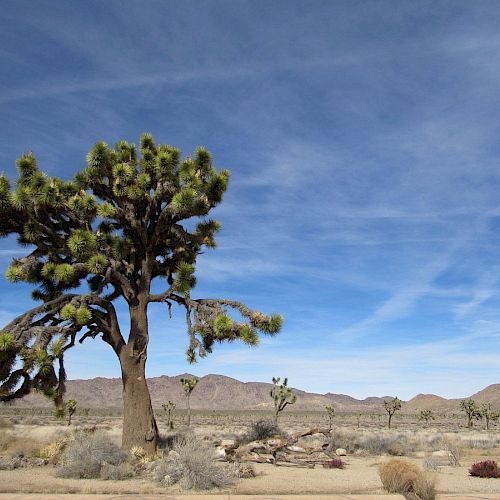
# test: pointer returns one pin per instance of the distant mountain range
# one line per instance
(217, 392)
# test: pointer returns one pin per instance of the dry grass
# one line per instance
(192, 466)
(85, 456)
(400, 475)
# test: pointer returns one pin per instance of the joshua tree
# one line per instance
(330, 410)
(391, 406)
(489, 414)
(169, 408)
(470, 408)
(188, 384)
(426, 416)
(70, 409)
(127, 224)
(66, 409)
(282, 396)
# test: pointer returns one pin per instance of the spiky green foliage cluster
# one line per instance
(188, 384)
(117, 225)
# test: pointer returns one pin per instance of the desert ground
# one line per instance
(365, 438)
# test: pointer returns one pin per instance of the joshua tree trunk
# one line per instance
(139, 424)
(389, 422)
(188, 407)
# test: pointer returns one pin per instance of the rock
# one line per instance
(275, 443)
(38, 462)
(256, 445)
(172, 455)
(440, 453)
(220, 454)
(296, 449)
(6, 464)
(340, 452)
(228, 443)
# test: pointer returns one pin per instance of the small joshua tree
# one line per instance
(489, 414)
(282, 396)
(470, 408)
(330, 410)
(188, 384)
(67, 409)
(426, 416)
(169, 408)
(391, 406)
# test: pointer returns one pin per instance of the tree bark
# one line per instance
(139, 424)
(188, 406)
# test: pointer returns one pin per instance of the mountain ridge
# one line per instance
(220, 392)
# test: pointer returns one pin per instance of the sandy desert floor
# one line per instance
(359, 477)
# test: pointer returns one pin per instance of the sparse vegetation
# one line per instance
(455, 449)
(282, 396)
(391, 406)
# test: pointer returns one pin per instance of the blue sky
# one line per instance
(363, 140)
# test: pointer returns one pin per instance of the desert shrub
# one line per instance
(193, 467)
(483, 443)
(334, 463)
(167, 442)
(6, 439)
(246, 471)
(431, 463)
(455, 449)
(6, 464)
(120, 472)
(343, 439)
(424, 487)
(84, 457)
(52, 451)
(400, 475)
(486, 468)
(262, 429)
(6, 424)
(385, 444)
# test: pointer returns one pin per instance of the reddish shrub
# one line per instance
(334, 463)
(488, 468)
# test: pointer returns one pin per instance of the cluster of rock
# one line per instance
(304, 448)
(21, 461)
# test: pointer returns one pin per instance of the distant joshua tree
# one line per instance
(188, 384)
(489, 414)
(426, 416)
(391, 406)
(169, 408)
(470, 408)
(67, 409)
(330, 410)
(282, 396)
